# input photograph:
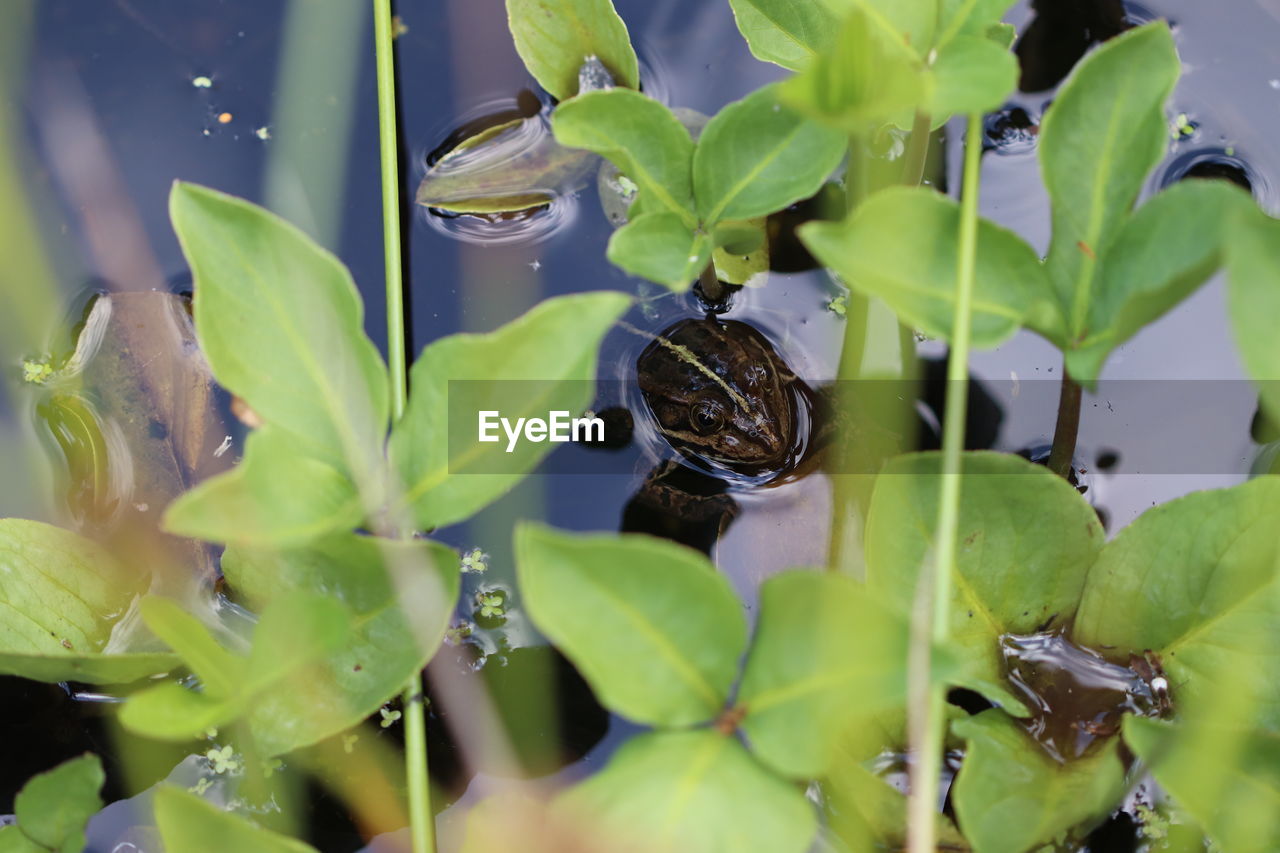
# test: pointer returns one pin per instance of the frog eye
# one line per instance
(706, 416)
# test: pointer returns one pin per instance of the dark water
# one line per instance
(300, 136)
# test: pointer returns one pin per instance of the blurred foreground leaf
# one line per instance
(193, 825)
(53, 808)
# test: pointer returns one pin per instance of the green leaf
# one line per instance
(695, 792)
(53, 807)
(1011, 796)
(1162, 253)
(661, 248)
(541, 362)
(275, 496)
(742, 251)
(554, 38)
(1196, 581)
(785, 32)
(400, 596)
(864, 78)
(867, 813)
(757, 156)
(969, 18)
(653, 628)
(172, 712)
(281, 323)
(1105, 131)
(641, 137)
(220, 672)
(61, 595)
(972, 74)
(825, 656)
(1253, 300)
(878, 251)
(1026, 541)
(910, 23)
(292, 632)
(193, 825)
(1227, 779)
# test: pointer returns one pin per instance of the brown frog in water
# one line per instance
(724, 399)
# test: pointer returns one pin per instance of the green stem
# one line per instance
(1068, 427)
(421, 821)
(917, 150)
(928, 732)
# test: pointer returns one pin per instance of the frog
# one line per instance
(727, 411)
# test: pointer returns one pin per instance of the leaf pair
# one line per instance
(863, 63)
(659, 635)
(756, 156)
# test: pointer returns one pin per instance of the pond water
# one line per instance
(122, 97)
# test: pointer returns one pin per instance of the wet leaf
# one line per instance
(1196, 581)
(190, 823)
(281, 323)
(1104, 132)
(651, 625)
(1227, 779)
(1164, 251)
(554, 38)
(513, 167)
(690, 791)
(971, 74)
(785, 32)
(1253, 300)
(541, 362)
(62, 596)
(1026, 542)
(400, 596)
(877, 250)
(1011, 796)
(757, 156)
(53, 808)
(826, 655)
(275, 496)
(864, 78)
(662, 249)
(641, 137)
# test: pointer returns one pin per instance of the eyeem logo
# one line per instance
(558, 426)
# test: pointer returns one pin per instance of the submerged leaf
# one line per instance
(661, 248)
(1026, 540)
(61, 596)
(555, 37)
(516, 166)
(694, 792)
(1104, 132)
(879, 251)
(1011, 796)
(542, 362)
(651, 625)
(757, 156)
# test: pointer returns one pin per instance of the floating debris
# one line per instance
(224, 118)
(202, 82)
(263, 133)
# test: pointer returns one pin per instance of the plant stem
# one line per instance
(1064, 435)
(927, 733)
(917, 150)
(421, 820)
